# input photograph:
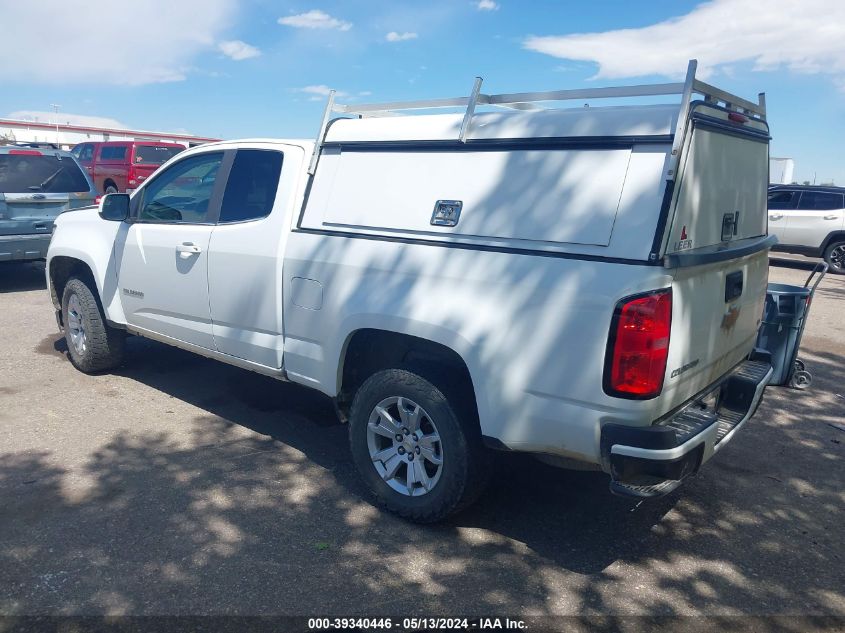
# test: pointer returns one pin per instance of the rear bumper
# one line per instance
(23, 247)
(652, 461)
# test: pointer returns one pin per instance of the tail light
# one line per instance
(638, 346)
(131, 176)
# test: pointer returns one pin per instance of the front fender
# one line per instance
(85, 237)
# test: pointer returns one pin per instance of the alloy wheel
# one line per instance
(405, 446)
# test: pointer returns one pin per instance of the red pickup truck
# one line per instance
(118, 166)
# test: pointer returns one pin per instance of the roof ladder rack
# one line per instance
(321, 135)
(530, 100)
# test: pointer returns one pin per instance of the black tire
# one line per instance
(834, 255)
(466, 462)
(109, 189)
(104, 344)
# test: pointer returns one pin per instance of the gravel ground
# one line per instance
(178, 485)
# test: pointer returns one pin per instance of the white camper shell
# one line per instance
(584, 283)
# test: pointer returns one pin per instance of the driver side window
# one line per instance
(182, 193)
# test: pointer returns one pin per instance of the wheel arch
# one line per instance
(63, 265)
(60, 269)
(832, 237)
(367, 350)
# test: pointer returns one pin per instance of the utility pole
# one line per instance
(56, 107)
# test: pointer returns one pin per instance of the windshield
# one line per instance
(154, 154)
(24, 173)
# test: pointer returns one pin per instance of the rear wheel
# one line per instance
(420, 458)
(92, 344)
(834, 255)
(110, 188)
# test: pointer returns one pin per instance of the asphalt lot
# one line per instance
(179, 485)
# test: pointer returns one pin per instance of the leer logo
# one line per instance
(684, 244)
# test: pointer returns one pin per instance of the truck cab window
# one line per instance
(117, 153)
(183, 192)
(251, 187)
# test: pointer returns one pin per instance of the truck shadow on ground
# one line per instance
(21, 277)
(261, 511)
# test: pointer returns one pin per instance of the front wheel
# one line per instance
(92, 344)
(834, 255)
(419, 457)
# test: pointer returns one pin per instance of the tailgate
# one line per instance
(27, 214)
(716, 249)
(716, 312)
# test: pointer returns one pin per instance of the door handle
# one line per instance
(832, 216)
(186, 249)
(775, 216)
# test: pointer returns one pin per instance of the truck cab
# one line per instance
(122, 166)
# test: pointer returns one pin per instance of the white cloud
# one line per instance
(66, 118)
(238, 50)
(321, 91)
(157, 41)
(486, 5)
(315, 19)
(393, 36)
(805, 37)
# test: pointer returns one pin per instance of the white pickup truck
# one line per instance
(581, 283)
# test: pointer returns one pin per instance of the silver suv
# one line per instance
(809, 220)
(36, 185)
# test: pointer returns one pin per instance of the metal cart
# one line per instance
(784, 319)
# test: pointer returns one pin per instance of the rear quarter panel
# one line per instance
(531, 329)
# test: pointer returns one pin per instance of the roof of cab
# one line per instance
(306, 144)
(587, 122)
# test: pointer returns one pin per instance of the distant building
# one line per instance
(67, 135)
(781, 170)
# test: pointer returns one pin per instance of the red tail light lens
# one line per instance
(131, 177)
(638, 346)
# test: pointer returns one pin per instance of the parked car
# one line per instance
(35, 187)
(809, 220)
(119, 166)
(538, 281)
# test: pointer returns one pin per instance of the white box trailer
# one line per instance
(583, 283)
(781, 171)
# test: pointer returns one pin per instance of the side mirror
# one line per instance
(115, 207)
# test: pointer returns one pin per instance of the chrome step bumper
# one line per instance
(652, 461)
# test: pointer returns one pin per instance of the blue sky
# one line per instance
(258, 67)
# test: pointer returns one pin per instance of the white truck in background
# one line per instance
(581, 283)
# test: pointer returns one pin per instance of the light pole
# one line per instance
(56, 107)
